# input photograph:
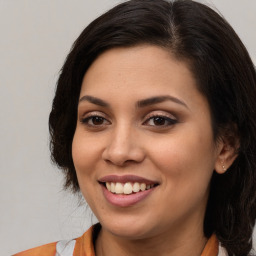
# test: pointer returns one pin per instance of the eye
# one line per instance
(160, 120)
(95, 120)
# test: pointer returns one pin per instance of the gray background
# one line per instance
(36, 36)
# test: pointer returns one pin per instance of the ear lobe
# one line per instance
(227, 148)
(226, 157)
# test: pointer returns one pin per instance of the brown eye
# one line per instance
(159, 120)
(97, 120)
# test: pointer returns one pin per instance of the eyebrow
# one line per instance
(159, 99)
(140, 104)
(94, 100)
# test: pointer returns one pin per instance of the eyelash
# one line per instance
(90, 118)
(162, 118)
(167, 120)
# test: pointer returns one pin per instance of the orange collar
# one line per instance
(84, 245)
(211, 247)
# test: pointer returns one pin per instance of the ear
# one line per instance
(227, 152)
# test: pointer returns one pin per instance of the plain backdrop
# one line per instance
(36, 36)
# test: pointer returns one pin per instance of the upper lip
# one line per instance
(126, 178)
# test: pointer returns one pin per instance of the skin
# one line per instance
(180, 155)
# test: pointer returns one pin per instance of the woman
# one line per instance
(154, 122)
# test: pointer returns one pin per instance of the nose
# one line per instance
(123, 147)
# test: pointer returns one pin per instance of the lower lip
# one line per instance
(125, 200)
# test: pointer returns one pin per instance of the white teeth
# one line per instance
(113, 187)
(119, 189)
(136, 187)
(127, 188)
(142, 186)
(108, 185)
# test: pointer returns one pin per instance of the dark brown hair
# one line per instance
(225, 74)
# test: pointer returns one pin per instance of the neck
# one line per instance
(191, 243)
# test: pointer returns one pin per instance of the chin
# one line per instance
(128, 229)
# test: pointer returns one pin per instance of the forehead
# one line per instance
(135, 64)
(140, 72)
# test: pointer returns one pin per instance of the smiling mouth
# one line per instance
(127, 188)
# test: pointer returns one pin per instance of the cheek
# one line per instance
(186, 166)
(85, 158)
(84, 151)
(185, 159)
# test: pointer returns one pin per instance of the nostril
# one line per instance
(121, 153)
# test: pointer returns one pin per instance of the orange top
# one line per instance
(44, 250)
(84, 247)
(212, 247)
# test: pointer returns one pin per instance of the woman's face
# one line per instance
(144, 133)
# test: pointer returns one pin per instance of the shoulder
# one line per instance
(63, 247)
(44, 250)
(80, 246)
